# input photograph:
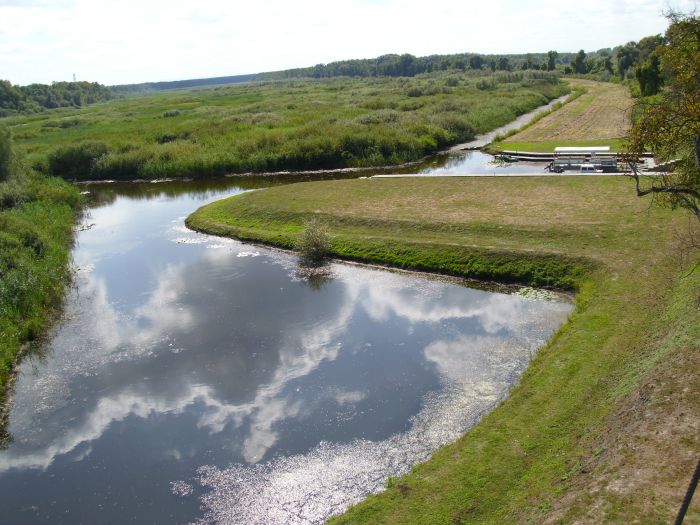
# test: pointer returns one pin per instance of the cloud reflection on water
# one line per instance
(479, 341)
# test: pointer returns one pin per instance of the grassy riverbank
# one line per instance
(270, 126)
(36, 222)
(604, 425)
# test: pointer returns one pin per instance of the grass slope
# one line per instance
(558, 449)
(271, 126)
(599, 117)
(36, 232)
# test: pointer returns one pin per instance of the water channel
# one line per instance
(195, 379)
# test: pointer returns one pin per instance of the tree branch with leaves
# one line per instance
(669, 123)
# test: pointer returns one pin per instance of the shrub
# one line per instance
(5, 153)
(20, 233)
(486, 84)
(12, 194)
(164, 138)
(379, 117)
(124, 165)
(169, 136)
(313, 243)
(410, 105)
(456, 124)
(436, 90)
(75, 161)
(378, 103)
(65, 123)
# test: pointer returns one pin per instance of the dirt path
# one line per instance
(603, 112)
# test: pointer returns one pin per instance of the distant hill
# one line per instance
(179, 84)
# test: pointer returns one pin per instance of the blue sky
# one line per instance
(127, 41)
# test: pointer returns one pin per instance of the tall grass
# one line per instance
(274, 126)
(36, 219)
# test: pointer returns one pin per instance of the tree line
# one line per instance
(633, 60)
(39, 97)
(407, 65)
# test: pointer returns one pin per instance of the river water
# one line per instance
(195, 379)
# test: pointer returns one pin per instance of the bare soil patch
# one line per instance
(639, 468)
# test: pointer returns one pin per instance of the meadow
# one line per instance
(273, 126)
(585, 436)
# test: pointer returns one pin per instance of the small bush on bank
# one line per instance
(313, 243)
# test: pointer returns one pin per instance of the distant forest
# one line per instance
(38, 97)
(630, 61)
(408, 65)
(636, 62)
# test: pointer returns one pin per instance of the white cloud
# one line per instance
(134, 41)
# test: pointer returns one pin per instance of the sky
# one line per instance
(131, 41)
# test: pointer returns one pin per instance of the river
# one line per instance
(194, 379)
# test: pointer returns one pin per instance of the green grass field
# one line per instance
(589, 433)
(272, 126)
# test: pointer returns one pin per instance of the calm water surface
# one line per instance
(202, 380)
(477, 163)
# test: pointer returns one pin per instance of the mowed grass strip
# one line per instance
(616, 145)
(551, 451)
(601, 116)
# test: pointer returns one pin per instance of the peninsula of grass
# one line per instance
(273, 126)
(603, 425)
